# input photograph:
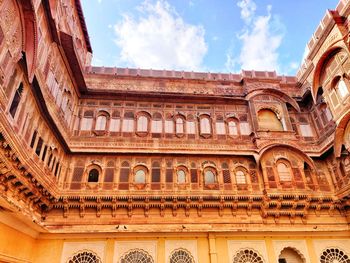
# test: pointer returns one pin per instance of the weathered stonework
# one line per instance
(114, 163)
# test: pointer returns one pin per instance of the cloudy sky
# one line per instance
(203, 35)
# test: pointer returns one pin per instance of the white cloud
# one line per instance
(160, 38)
(261, 38)
(248, 8)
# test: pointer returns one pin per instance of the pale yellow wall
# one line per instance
(47, 251)
(221, 249)
(18, 247)
(15, 245)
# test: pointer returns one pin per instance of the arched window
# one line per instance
(86, 124)
(284, 172)
(241, 177)
(205, 125)
(138, 256)
(342, 88)
(142, 124)
(247, 256)
(181, 256)
(181, 176)
(93, 176)
(140, 175)
(101, 123)
(84, 257)
(232, 127)
(179, 128)
(268, 120)
(128, 122)
(209, 176)
(16, 100)
(157, 123)
(334, 255)
(124, 176)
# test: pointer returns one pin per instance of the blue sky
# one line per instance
(203, 35)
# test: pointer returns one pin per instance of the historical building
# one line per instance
(132, 165)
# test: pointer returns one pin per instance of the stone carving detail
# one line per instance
(334, 255)
(181, 256)
(85, 257)
(136, 255)
(247, 256)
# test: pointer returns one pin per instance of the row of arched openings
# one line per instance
(144, 123)
(133, 256)
(247, 255)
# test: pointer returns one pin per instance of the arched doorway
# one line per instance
(290, 255)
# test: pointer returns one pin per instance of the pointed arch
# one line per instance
(340, 132)
(327, 55)
(276, 93)
(266, 148)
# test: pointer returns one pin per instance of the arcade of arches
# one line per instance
(123, 165)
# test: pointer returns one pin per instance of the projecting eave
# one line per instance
(73, 61)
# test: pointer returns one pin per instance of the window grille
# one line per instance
(334, 255)
(85, 257)
(247, 256)
(138, 256)
(181, 256)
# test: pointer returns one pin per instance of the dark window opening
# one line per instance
(33, 139)
(49, 160)
(93, 176)
(16, 100)
(38, 146)
(44, 153)
(56, 169)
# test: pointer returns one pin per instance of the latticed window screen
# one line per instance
(181, 256)
(77, 174)
(284, 172)
(240, 177)
(136, 256)
(155, 172)
(247, 256)
(109, 175)
(334, 255)
(85, 257)
(227, 176)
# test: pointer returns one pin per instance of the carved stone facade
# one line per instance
(131, 165)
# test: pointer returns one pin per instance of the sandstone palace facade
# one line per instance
(123, 165)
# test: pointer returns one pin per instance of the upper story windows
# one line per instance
(142, 124)
(342, 88)
(114, 125)
(157, 125)
(180, 127)
(269, 120)
(101, 122)
(128, 122)
(86, 124)
(339, 90)
(93, 176)
(232, 125)
(205, 125)
(284, 171)
(16, 100)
